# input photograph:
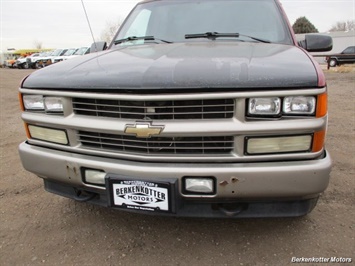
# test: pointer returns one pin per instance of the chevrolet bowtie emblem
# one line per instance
(143, 130)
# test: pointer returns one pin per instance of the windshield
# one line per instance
(70, 52)
(172, 20)
(81, 51)
(56, 52)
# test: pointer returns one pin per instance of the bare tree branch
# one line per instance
(109, 32)
(343, 26)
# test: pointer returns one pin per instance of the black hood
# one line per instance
(211, 64)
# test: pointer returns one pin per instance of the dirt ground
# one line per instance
(39, 228)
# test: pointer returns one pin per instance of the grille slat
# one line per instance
(156, 145)
(166, 110)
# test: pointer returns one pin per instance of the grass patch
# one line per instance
(343, 69)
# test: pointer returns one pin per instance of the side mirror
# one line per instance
(98, 47)
(317, 43)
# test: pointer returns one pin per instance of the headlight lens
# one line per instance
(264, 106)
(53, 104)
(275, 106)
(33, 102)
(299, 105)
(42, 103)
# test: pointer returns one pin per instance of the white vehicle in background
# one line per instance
(69, 52)
(79, 52)
(50, 58)
(22, 61)
(33, 61)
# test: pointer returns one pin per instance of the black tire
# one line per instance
(333, 62)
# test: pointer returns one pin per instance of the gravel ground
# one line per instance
(39, 228)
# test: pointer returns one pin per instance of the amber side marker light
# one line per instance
(322, 109)
(27, 131)
(23, 109)
(318, 141)
(322, 105)
(21, 102)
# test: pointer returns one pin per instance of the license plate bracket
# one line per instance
(135, 194)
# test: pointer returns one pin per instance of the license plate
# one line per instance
(139, 195)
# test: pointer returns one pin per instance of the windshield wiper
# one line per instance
(135, 38)
(214, 35)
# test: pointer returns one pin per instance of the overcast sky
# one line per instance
(62, 23)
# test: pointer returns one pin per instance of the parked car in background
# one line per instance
(50, 58)
(345, 57)
(22, 62)
(79, 52)
(69, 52)
(33, 61)
(11, 63)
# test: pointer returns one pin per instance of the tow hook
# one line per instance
(82, 195)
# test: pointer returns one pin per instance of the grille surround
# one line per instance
(199, 145)
(155, 110)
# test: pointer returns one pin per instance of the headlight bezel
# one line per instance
(288, 102)
(283, 110)
(42, 104)
(33, 102)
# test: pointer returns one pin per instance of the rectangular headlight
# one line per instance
(279, 144)
(48, 134)
(264, 106)
(33, 102)
(53, 104)
(299, 105)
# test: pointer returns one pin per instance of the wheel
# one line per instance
(333, 62)
(26, 66)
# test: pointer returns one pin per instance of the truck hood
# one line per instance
(213, 64)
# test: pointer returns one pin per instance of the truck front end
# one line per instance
(185, 117)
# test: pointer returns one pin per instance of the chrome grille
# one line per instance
(155, 110)
(156, 145)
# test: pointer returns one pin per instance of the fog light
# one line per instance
(48, 134)
(279, 144)
(95, 177)
(199, 185)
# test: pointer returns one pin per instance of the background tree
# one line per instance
(38, 44)
(110, 30)
(343, 26)
(303, 25)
